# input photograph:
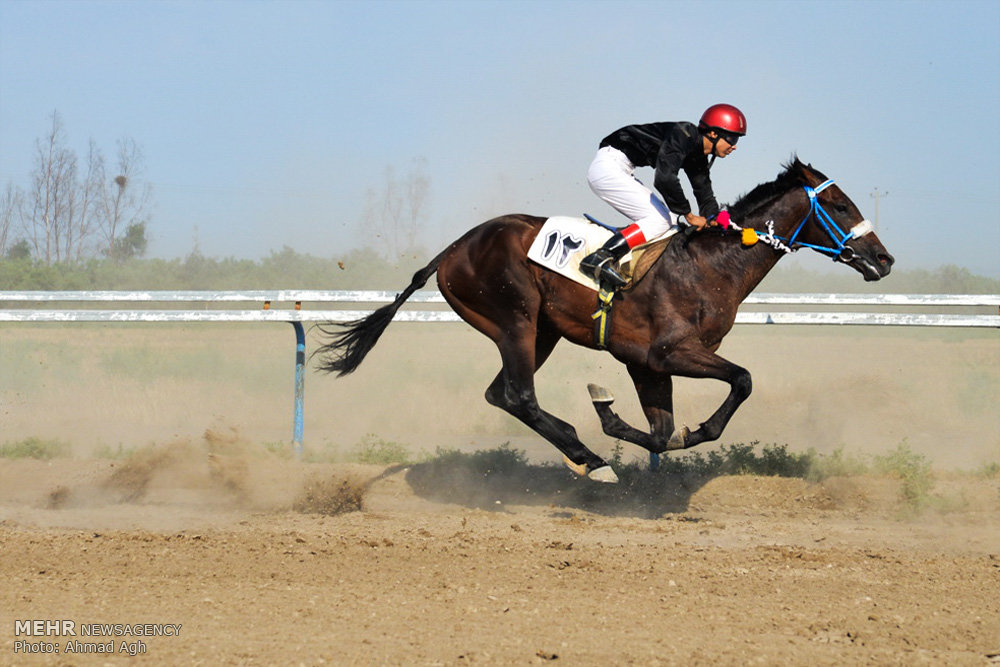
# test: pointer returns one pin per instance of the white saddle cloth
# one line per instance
(563, 241)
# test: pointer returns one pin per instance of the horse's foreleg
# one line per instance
(513, 390)
(697, 362)
(655, 392)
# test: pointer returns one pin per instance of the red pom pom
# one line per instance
(723, 219)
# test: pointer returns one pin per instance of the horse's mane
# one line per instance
(794, 174)
(723, 250)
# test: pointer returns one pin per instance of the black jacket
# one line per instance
(668, 148)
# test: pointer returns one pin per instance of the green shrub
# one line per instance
(375, 450)
(912, 469)
(740, 459)
(34, 448)
(364, 268)
(502, 460)
(837, 464)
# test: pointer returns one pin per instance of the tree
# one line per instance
(131, 244)
(11, 203)
(81, 235)
(19, 251)
(124, 202)
(51, 204)
(393, 216)
(67, 217)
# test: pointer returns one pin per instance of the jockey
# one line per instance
(667, 147)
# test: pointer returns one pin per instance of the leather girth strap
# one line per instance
(642, 261)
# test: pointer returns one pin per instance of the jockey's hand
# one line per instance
(696, 221)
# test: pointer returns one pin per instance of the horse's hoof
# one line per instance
(679, 437)
(600, 394)
(603, 474)
(579, 468)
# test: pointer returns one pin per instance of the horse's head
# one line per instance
(834, 226)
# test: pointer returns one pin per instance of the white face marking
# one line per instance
(862, 228)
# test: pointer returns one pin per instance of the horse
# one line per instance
(670, 323)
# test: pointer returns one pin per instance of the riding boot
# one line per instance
(602, 264)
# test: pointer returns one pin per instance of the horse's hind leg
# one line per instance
(513, 390)
(656, 398)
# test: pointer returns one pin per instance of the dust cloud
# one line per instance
(110, 388)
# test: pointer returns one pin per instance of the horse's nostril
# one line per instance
(886, 259)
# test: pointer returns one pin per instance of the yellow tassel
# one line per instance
(749, 236)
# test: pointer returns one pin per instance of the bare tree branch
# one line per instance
(52, 204)
(66, 218)
(393, 216)
(11, 210)
(89, 193)
(125, 198)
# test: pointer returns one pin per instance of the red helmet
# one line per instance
(724, 117)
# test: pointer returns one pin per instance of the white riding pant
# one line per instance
(612, 178)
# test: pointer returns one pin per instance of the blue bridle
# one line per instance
(839, 250)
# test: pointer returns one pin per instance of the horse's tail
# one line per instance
(350, 342)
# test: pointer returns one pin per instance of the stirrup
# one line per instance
(593, 262)
(610, 277)
(603, 269)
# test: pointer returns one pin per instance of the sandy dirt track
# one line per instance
(535, 568)
(740, 570)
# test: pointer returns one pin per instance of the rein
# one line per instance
(839, 251)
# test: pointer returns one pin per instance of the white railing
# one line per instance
(987, 306)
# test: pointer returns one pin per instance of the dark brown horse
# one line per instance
(670, 323)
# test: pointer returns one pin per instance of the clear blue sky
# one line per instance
(263, 124)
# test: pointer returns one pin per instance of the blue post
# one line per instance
(300, 364)
(654, 461)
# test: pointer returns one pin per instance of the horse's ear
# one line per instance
(805, 171)
(795, 167)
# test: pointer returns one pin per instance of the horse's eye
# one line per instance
(840, 208)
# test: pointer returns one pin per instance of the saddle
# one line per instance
(564, 241)
(643, 258)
